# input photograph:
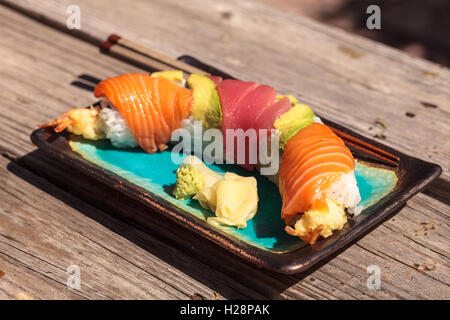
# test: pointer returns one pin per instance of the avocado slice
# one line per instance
(206, 101)
(172, 75)
(290, 122)
(291, 98)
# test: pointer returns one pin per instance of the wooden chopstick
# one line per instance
(358, 144)
(371, 154)
(156, 56)
(132, 57)
(146, 58)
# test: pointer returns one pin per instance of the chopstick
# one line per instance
(146, 58)
(132, 57)
(153, 55)
(379, 154)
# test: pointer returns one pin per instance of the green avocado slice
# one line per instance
(206, 101)
(290, 122)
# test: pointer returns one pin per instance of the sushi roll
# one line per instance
(316, 176)
(317, 183)
(136, 109)
(153, 107)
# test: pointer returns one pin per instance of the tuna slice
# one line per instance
(231, 93)
(241, 103)
(215, 79)
(253, 105)
(266, 119)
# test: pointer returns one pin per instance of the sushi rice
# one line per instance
(116, 127)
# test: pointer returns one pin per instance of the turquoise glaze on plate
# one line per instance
(156, 174)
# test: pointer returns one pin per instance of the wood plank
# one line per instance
(23, 283)
(297, 55)
(162, 243)
(49, 240)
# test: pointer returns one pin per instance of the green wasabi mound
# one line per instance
(193, 176)
(189, 182)
(232, 198)
(290, 122)
(206, 106)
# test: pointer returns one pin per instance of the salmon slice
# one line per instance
(153, 107)
(313, 159)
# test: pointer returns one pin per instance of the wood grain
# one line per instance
(82, 222)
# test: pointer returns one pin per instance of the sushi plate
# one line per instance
(150, 178)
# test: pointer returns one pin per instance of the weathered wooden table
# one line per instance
(52, 217)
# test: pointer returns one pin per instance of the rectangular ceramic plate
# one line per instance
(149, 178)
